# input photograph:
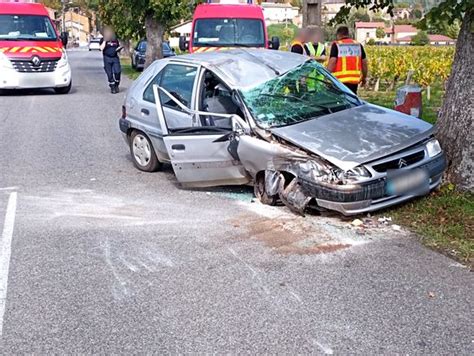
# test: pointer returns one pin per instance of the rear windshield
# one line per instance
(26, 27)
(142, 46)
(229, 32)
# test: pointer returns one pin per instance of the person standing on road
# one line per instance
(110, 47)
(314, 47)
(347, 60)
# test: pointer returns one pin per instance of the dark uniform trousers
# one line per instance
(113, 69)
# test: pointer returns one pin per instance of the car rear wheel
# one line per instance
(64, 90)
(260, 192)
(143, 154)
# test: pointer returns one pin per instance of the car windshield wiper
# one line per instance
(287, 96)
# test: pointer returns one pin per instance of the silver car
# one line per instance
(281, 122)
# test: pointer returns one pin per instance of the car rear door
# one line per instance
(199, 154)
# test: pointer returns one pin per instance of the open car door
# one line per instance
(199, 155)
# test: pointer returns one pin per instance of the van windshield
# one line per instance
(26, 27)
(229, 32)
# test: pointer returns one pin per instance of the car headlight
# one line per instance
(350, 176)
(63, 61)
(5, 62)
(433, 148)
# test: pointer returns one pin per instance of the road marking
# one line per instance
(325, 349)
(5, 253)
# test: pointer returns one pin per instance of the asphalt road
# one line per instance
(105, 259)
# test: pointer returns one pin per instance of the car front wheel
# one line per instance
(143, 155)
(261, 193)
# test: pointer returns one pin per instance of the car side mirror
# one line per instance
(64, 38)
(274, 43)
(183, 44)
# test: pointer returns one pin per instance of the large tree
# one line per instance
(455, 126)
(150, 18)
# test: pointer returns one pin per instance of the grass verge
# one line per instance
(444, 220)
(127, 68)
(387, 99)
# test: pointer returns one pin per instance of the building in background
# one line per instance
(330, 8)
(435, 40)
(365, 31)
(183, 29)
(80, 26)
(280, 12)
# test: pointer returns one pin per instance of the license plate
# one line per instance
(412, 182)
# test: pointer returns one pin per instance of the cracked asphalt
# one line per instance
(106, 259)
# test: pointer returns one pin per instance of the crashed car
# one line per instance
(281, 122)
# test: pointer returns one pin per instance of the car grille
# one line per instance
(395, 164)
(26, 66)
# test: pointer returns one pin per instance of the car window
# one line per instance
(148, 94)
(179, 81)
(142, 46)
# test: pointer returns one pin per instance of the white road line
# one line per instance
(5, 253)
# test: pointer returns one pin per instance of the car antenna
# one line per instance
(268, 64)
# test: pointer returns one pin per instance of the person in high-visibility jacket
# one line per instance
(314, 47)
(347, 60)
(298, 44)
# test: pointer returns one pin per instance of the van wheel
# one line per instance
(143, 154)
(64, 90)
(260, 193)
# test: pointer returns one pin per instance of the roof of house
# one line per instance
(369, 24)
(404, 28)
(440, 38)
(432, 38)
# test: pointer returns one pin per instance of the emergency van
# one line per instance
(32, 53)
(227, 24)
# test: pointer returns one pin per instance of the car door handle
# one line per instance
(145, 112)
(178, 147)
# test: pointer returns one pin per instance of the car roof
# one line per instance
(18, 8)
(245, 68)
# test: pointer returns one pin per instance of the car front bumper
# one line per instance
(358, 199)
(11, 79)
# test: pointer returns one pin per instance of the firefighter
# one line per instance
(110, 47)
(298, 44)
(347, 60)
(314, 47)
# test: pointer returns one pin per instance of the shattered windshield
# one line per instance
(306, 92)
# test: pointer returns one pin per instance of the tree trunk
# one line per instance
(455, 122)
(154, 36)
(126, 48)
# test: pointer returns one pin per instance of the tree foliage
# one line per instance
(380, 32)
(420, 39)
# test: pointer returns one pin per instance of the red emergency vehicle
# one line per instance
(32, 53)
(228, 24)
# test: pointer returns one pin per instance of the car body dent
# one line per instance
(354, 136)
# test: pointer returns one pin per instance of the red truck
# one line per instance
(32, 53)
(218, 26)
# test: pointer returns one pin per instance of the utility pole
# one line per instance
(312, 12)
(63, 22)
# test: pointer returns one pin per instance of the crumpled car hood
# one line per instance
(354, 136)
